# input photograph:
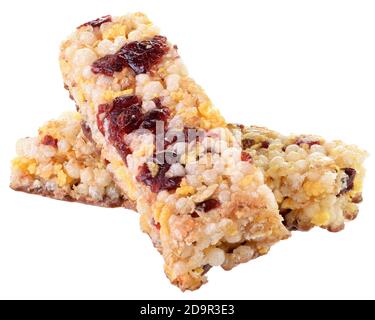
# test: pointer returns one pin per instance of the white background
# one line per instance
(293, 66)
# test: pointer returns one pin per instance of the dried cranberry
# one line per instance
(108, 65)
(97, 22)
(348, 181)
(49, 141)
(123, 149)
(265, 144)
(310, 143)
(195, 215)
(151, 117)
(284, 212)
(155, 224)
(125, 116)
(141, 56)
(160, 181)
(247, 143)
(246, 156)
(157, 102)
(125, 121)
(208, 205)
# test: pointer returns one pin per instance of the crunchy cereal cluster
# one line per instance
(315, 182)
(62, 163)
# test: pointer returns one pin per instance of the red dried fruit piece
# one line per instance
(141, 56)
(310, 143)
(247, 143)
(49, 141)
(160, 181)
(348, 181)
(155, 224)
(208, 205)
(125, 115)
(125, 121)
(97, 22)
(246, 156)
(284, 212)
(108, 65)
(151, 117)
(195, 215)
(123, 149)
(265, 144)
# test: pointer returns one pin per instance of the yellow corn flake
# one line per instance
(110, 95)
(157, 210)
(24, 164)
(358, 185)
(321, 218)
(199, 270)
(92, 105)
(211, 114)
(81, 95)
(313, 188)
(57, 168)
(288, 204)
(32, 168)
(45, 174)
(188, 113)
(52, 128)
(126, 182)
(115, 31)
(62, 178)
(246, 181)
(185, 191)
(205, 124)
(165, 214)
(205, 109)
(154, 168)
(145, 226)
(177, 95)
(77, 116)
(263, 250)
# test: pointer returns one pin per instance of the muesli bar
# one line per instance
(315, 182)
(201, 202)
(62, 163)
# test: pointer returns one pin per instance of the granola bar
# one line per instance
(62, 163)
(201, 203)
(315, 182)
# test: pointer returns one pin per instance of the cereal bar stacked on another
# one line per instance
(62, 163)
(315, 182)
(201, 203)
